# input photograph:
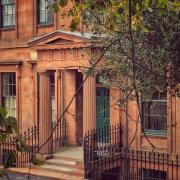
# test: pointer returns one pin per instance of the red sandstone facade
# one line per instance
(47, 60)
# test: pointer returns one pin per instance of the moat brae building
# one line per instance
(40, 71)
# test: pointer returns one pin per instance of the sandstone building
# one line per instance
(40, 71)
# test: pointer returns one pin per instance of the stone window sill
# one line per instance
(45, 25)
(155, 135)
(8, 28)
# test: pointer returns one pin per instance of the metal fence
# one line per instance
(59, 135)
(137, 165)
(99, 144)
(30, 138)
(14, 153)
(106, 159)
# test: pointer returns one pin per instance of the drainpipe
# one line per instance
(171, 124)
(126, 108)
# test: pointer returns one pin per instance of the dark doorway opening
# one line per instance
(102, 111)
(79, 109)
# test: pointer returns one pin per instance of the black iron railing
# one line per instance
(99, 144)
(106, 159)
(30, 138)
(140, 165)
(137, 165)
(59, 135)
(14, 153)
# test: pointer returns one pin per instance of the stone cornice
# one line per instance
(70, 45)
(11, 62)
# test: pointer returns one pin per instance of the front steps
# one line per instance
(68, 163)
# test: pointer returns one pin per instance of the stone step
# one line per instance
(46, 174)
(61, 169)
(65, 157)
(65, 163)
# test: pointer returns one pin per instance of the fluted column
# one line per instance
(69, 88)
(89, 104)
(45, 122)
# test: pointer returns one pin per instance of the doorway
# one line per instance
(79, 109)
(102, 112)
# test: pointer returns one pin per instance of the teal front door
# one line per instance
(102, 113)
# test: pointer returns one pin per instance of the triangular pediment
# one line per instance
(60, 37)
(59, 41)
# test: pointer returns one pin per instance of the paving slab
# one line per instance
(71, 152)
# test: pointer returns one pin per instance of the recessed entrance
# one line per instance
(102, 110)
(79, 108)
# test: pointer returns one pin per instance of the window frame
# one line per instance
(10, 86)
(45, 23)
(12, 25)
(154, 132)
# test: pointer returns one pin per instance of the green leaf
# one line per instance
(162, 3)
(38, 160)
(63, 3)
(3, 112)
(12, 123)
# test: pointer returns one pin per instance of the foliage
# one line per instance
(8, 125)
(38, 160)
(155, 30)
(9, 132)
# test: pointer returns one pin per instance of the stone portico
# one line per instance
(61, 55)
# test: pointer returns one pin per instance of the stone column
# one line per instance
(89, 104)
(45, 122)
(58, 93)
(69, 88)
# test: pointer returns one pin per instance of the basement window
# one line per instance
(153, 174)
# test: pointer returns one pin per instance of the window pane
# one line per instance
(4, 2)
(43, 5)
(9, 20)
(12, 102)
(7, 1)
(5, 10)
(42, 16)
(49, 17)
(13, 9)
(10, 9)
